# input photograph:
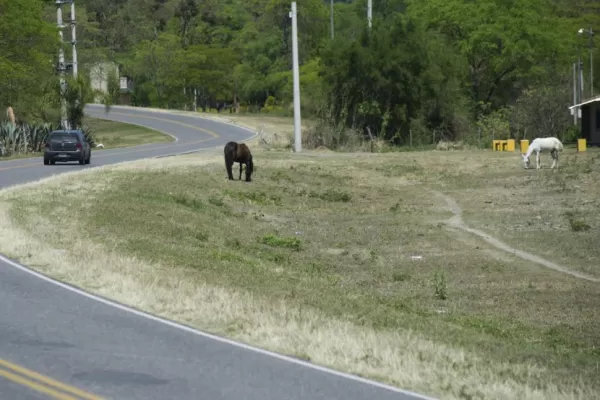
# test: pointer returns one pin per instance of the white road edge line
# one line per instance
(209, 335)
(197, 332)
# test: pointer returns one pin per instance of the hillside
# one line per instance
(427, 69)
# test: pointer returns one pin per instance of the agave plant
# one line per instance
(38, 135)
(23, 138)
(30, 138)
(89, 134)
(23, 133)
(8, 138)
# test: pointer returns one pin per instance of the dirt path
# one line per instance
(457, 222)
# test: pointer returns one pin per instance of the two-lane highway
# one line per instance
(93, 345)
(191, 133)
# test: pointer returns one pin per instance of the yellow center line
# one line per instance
(35, 386)
(9, 373)
(213, 134)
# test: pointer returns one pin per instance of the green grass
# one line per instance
(21, 156)
(336, 234)
(118, 134)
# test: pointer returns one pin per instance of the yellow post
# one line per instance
(581, 145)
(510, 145)
(524, 145)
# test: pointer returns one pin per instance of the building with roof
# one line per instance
(589, 113)
(99, 75)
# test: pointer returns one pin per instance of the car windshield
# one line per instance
(63, 136)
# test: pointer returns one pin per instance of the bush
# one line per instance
(493, 125)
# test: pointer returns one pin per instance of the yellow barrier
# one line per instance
(581, 145)
(524, 146)
(503, 145)
(499, 145)
(510, 145)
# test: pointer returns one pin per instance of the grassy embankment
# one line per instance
(112, 135)
(315, 258)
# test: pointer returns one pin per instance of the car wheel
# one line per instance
(46, 161)
(52, 162)
(81, 161)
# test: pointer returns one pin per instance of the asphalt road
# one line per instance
(90, 344)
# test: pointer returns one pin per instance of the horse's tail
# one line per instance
(250, 165)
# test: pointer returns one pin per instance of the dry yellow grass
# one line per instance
(323, 267)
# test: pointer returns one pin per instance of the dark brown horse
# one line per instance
(240, 153)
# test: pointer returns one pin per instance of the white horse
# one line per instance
(551, 144)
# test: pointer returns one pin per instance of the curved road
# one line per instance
(59, 342)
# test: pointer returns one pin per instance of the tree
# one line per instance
(506, 43)
(28, 48)
(387, 79)
(77, 94)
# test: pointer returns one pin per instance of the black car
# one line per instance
(67, 145)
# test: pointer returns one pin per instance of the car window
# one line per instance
(64, 136)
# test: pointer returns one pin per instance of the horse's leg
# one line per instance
(240, 171)
(537, 160)
(229, 171)
(228, 166)
(248, 171)
(554, 154)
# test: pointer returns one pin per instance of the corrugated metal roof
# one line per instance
(592, 100)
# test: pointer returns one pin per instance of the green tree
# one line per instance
(77, 94)
(28, 48)
(388, 80)
(507, 44)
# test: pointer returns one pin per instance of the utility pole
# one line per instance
(296, 73)
(61, 65)
(575, 110)
(590, 34)
(591, 43)
(581, 94)
(369, 12)
(73, 39)
(580, 73)
(331, 17)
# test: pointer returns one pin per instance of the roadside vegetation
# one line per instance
(425, 71)
(114, 134)
(28, 141)
(347, 260)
